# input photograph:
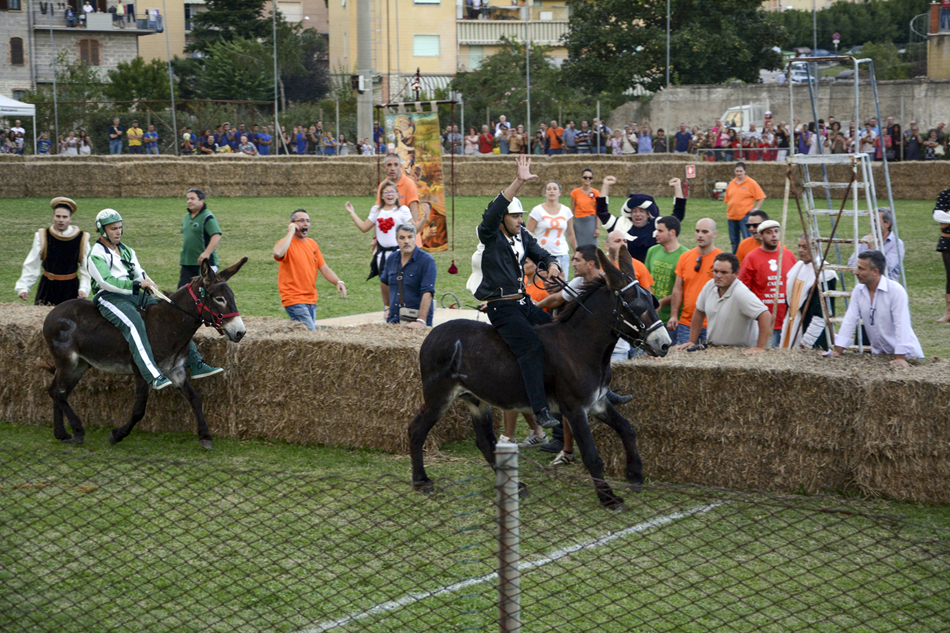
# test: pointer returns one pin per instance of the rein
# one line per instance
(214, 320)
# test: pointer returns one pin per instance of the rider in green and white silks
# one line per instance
(121, 287)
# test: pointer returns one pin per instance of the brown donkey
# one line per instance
(79, 337)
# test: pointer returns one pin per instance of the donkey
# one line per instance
(469, 360)
(78, 337)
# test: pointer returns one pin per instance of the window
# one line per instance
(10, 5)
(90, 52)
(16, 51)
(293, 11)
(425, 46)
(19, 95)
(475, 56)
(426, 1)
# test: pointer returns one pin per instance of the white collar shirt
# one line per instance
(893, 250)
(886, 320)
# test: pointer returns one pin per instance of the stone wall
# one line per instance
(14, 24)
(921, 100)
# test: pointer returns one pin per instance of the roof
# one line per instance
(12, 107)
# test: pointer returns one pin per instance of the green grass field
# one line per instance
(263, 536)
(253, 225)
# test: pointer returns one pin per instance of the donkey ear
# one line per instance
(611, 273)
(625, 263)
(208, 276)
(229, 272)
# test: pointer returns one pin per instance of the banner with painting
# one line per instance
(417, 139)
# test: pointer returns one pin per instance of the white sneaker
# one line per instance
(504, 439)
(563, 459)
(533, 440)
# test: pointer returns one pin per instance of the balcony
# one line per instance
(489, 32)
(96, 23)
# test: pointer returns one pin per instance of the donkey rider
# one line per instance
(121, 288)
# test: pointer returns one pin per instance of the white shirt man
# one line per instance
(18, 128)
(882, 306)
(502, 120)
(892, 247)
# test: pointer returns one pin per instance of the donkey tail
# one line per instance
(455, 364)
(44, 364)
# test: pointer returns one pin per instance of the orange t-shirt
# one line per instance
(740, 199)
(643, 274)
(746, 246)
(585, 204)
(693, 281)
(553, 136)
(536, 292)
(408, 192)
(298, 271)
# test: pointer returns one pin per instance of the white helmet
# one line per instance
(105, 218)
(514, 207)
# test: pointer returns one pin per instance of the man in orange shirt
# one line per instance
(751, 243)
(408, 192)
(300, 264)
(693, 270)
(743, 195)
(617, 240)
(555, 136)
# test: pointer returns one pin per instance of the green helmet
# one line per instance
(106, 217)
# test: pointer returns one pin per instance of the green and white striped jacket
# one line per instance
(121, 275)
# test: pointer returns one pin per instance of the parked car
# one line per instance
(801, 77)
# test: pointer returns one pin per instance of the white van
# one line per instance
(740, 117)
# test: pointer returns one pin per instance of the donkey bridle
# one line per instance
(213, 319)
(619, 317)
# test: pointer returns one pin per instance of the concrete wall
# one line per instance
(938, 56)
(921, 100)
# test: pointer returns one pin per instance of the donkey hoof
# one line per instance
(113, 438)
(205, 444)
(424, 487)
(63, 437)
(75, 439)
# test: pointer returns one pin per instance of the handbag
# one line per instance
(406, 315)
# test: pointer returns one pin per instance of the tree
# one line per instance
(617, 45)
(227, 20)
(138, 81)
(77, 84)
(305, 78)
(875, 21)
(239, 69)
(887, 61)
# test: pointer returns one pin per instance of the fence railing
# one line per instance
(93, 543)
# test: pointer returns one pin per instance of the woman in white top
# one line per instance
(471, 142)
(552, 224)
(385, 218)
(72, 144)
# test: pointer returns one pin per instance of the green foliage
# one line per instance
(138, 81)
(887, 62)
(76, 82)
(617, 45)
(857, 23)
(238, 69)
(498, 86)
(227, 20)
(304, 73)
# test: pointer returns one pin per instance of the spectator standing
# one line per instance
(135, 135)
(409, 279)
(941, 216)
(72, 144)
(43, 145)
(471, 142)
(760, 272)
(881, 304)
(616, 242)
(630, 140)
(931, 145)
(637, 216)
(582, 139)
(384, 218)
(735, 315)
(693, 271)
(661, 261)
(616, 143)
(781, 142)
(645, 142)
(300, 264)
(329, 144)
(486, 141)
(659, 143)
(502, 121)
(743, 195)
(804, 326)
(682, 141)
(552, 225)
(207, 145)
(518, 141)
(599, 135)
(754, 240)
(502, 138)
(246, 147)
(344, 145)
(58, 259)
(913, 143)
(264, 142)
(584, 209)
(85, 146)
(300, 139)
(555, 139)
(570, 138)
(408, 192)
(115, 137)
(455, 140)
(892, 247)
(151, 141)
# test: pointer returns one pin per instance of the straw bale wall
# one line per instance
(780, 421)
(227, 176)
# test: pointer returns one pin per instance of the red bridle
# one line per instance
(213, 319)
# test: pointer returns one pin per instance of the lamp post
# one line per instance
(171, 84)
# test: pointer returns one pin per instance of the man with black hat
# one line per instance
(57, 259)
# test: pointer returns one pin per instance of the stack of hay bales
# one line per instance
(787, 421)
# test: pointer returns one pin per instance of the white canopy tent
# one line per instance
(12, 108)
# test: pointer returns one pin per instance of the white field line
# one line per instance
(561, 553)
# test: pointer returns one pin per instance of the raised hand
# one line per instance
(524, 168)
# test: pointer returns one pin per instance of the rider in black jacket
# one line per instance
(498, 279)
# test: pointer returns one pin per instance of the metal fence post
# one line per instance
(509, 525)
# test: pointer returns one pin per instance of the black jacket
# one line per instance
(643, 236)
(496, 272)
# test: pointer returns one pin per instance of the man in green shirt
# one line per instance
(200, 238)
(661, 261)
(201, 235)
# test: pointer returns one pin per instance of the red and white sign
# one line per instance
(691, 171)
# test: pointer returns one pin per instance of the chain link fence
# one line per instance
(91, 543)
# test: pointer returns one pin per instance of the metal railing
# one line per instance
(487, 32)
(97, 22)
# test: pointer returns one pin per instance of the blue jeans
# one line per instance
(115, 146)
(776, 339)
(552, 152)
(682, 334)
(306, 313)
(738, 231)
